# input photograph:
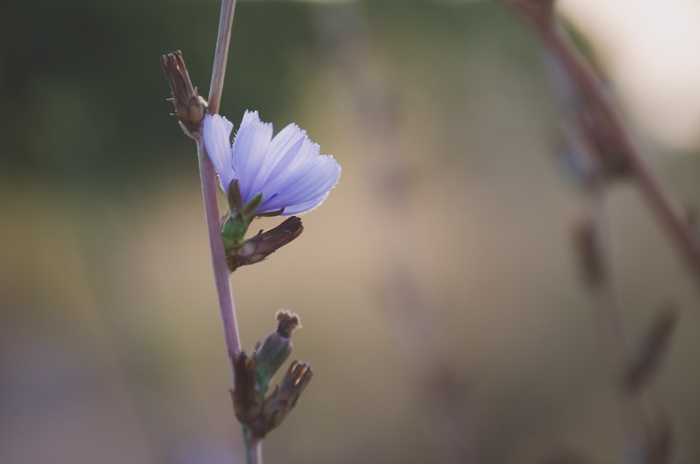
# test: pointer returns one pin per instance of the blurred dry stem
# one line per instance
(631, 371)
(683, 234)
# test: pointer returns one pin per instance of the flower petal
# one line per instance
(249, 148)
(294, 164)
(217, 133)
(304, 207)
(306, 186)
(282, 150)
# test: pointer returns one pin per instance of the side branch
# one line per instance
(668, 213)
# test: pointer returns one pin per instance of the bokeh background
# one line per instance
(442, 309)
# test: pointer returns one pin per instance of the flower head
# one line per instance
(286, 170)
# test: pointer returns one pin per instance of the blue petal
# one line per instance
(249, 148)
(217, 133)
(304, 207)
(310, 183)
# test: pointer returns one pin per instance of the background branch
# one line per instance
(668, 213)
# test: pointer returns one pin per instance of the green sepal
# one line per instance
(238, 217)
(235, 202)
(252, 206)
(233, 230)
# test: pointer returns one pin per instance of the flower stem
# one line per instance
(208, 177)
(221, 55)
(668, 213)
(218, 255)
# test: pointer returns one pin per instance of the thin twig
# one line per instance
(668, 213)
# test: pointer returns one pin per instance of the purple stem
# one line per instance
(207, 176)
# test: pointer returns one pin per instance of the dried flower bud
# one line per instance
(189, 106)
(284, 398)
(275, 350)
(259, 247)
(246, 401)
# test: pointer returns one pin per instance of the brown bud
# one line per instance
(246, 403)
(189, 106)
(275, 350)
(259, 247)
(284, 398)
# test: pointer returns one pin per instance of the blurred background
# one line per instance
(443, 312)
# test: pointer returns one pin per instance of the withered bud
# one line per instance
(286, 323)
(189, 106)
(652, 351)
(259, 247)
(275, 350)
(246, 402)
(284, 398)
(587, 251)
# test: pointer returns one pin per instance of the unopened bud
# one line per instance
(262, 245)
(275, 350)
(189, 106)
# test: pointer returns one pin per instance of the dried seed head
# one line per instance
(284, 398)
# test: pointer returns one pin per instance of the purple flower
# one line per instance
(286, 169)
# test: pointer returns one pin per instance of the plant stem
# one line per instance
(218, 255)
(221, 55)
(255, 452)
(668, 213)
(208, 176)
